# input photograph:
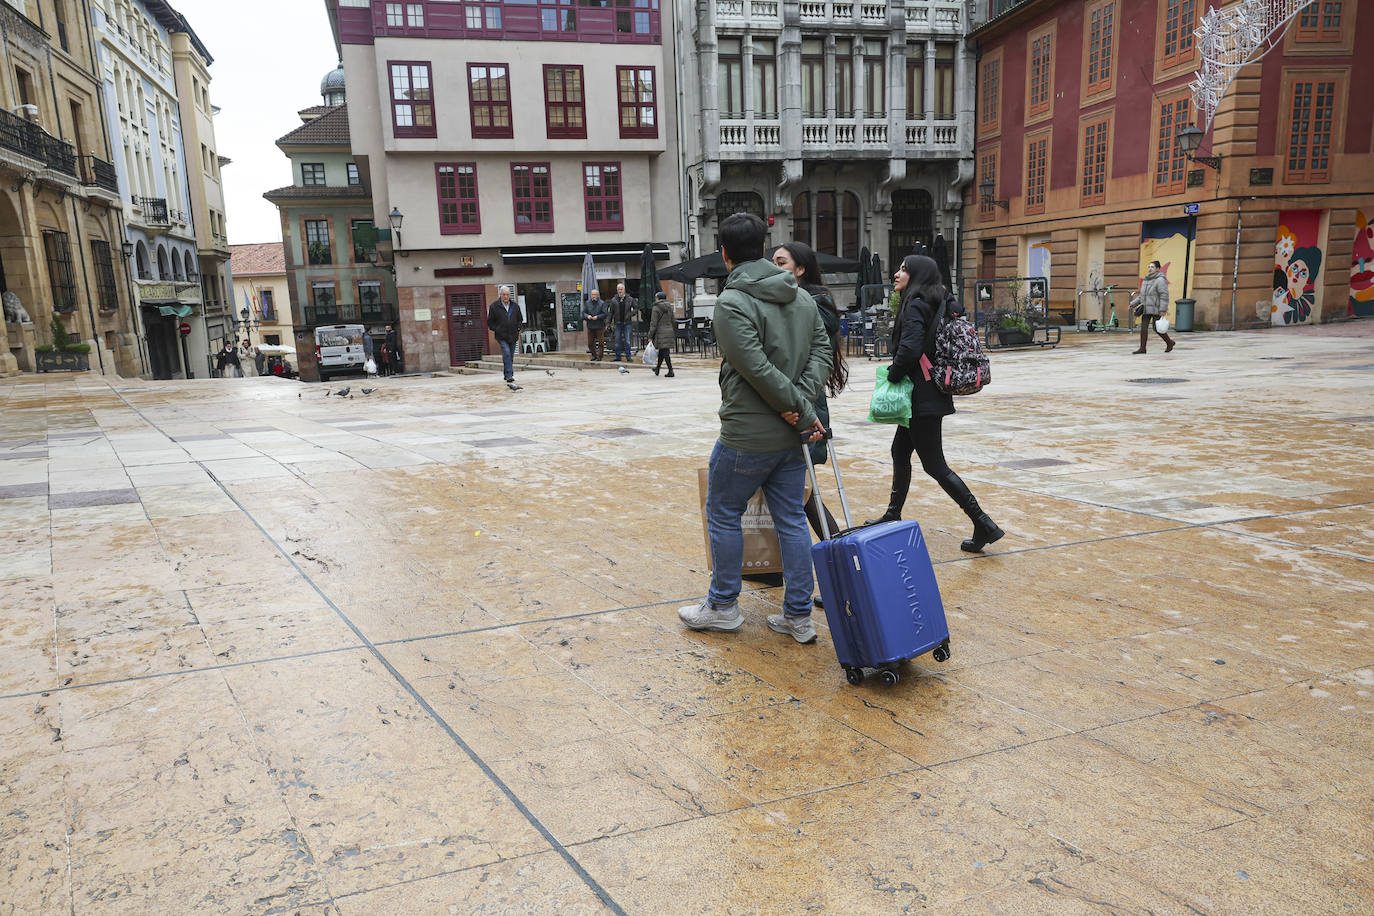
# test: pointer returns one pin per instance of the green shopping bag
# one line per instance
(891, 401)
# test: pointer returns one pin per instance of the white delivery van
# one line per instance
(339, 348)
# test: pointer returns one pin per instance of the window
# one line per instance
(23, 85)
(1041, 73)
(825, 222)
(1101, 28)
(405, 15)
(395, 15)
(364, 236)
(1037, 159)
(107, 294)
(632, 16)
(987, 171)
(317, 247)
(458, 212)
(875, 80)
(412, 99)
(312, 173)
(1320, 22)
(354, 179)
(369, 295)
(1096, 135)
(60, 276)
(990, 94)
(1170, 164)
(415, 15)
(833, 221)
(269, 306)
(1180, 18)
(801, 218)
(324, 297)
(638, 102)
(1309, 132)
(765, 78)
(564, 114)
(844, 78)
(557, 18)
(489, 95)
(601, 195)
(730, 86)
(944, 82)
(483, 17)
(532, 192)
(813, 78)
(916, 82)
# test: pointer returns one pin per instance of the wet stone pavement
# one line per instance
(417, 652)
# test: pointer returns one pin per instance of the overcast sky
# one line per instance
(270, 56)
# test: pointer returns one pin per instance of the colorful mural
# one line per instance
(1168, 241)
(1362, 269)
(1297, 267)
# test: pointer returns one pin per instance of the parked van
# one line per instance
(339, 348)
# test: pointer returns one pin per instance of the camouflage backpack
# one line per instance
(959, 365)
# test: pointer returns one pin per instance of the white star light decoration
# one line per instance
(1231, 38)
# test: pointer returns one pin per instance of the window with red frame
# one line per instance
(412, 99)
(532, 194)
(489, 98)
(1101, 23)
(1180, 19)
(601, 195)
(992, 94)
(987, 171)
(1309, 132)
(1039, 101)
(1320, 22)
(1095, 139)
(457, 184)
(1170, 164)
(638, 102)
(1037, 152)
(565, 115)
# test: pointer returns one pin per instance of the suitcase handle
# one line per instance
(839, 485)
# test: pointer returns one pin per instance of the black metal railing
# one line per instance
(154, 210)
(98, 173)
(358, 313)
(28, 139)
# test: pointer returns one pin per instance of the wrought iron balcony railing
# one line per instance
(344, 313)
(154, 210)
(96, 172)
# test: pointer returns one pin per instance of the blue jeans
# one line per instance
(622, 339)
(507, 359)
(732, 479)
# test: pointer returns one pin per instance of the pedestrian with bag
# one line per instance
(595, 313)
(800, 259)
(925, 302)
(775, 356)
(392, 351)
(661, 333)
(504, 320)
(623, 309)
(1150, 304)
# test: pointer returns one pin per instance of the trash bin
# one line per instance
(1183, 314)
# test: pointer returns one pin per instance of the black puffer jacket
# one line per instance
(913, 334)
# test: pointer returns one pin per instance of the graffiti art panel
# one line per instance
(1297, 267)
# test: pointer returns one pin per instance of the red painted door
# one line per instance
(467, 323)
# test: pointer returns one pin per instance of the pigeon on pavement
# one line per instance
(343, 392)
(512, 386)
(548, 372)
(368, 390)
(623, 370)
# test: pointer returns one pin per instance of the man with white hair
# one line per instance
(504, 320)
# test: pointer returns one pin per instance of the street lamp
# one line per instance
(246, 324)
(1189, 139)
(986, 189)
(126, 250)
(396, 216)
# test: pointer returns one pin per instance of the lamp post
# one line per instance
(986, 188)
(395, 217)
(1189, 139)
(247, 325)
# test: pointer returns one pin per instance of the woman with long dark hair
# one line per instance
(913, 335)
(799, 258)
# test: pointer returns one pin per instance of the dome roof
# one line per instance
(333, 80)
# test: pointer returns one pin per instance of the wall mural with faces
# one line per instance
(1362, 269)
(1297, 268)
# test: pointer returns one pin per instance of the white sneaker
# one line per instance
(799, 628)
(702, 616)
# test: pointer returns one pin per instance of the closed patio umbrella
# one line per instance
(648, 285)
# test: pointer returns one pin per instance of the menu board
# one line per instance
(572, 311)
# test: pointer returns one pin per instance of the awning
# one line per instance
(177, 309)
(567, 254)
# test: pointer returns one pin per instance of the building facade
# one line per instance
(334, 273)
(509, 140)
(845, 125)
(60, 226)
(134, 53)
(260, 286)
(1079, 108)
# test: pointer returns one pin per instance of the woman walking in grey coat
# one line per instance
(1151, 302)
(662, 332)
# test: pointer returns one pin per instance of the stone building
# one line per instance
(846, 125)
(260, 286)
(60, 231)
(505, 141)
(1080, 108)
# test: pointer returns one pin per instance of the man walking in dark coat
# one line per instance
(623, 310)
(595, 313)
(504, 320)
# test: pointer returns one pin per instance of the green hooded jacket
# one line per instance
(776, 356)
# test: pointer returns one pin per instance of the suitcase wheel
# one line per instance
(855, 676)
(888, 678)
(941, 653)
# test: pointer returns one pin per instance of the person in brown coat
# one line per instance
(662, 332)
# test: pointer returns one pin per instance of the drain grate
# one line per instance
(1156, 381)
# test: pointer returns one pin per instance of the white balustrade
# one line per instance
(844, 133)
(762, 9)
(917, 13)
(948, 18)
(815, 133)
(734, 135)
(873, 13)
(916, 134)
(875, 133)
(947, 135)
(729, 9)
(767, 134)
(814, 11)
(844, 11)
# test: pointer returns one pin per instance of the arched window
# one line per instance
(912, 222)
(163, 271)
(141, 260)
(190, 266)
(830, 218)
(176, 267)
(801, 218)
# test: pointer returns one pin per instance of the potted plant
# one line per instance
(64, 353)
(1013, 329)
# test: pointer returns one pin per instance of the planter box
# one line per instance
(62, 362)
(1012, 337)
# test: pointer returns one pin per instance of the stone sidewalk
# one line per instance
(264, 650)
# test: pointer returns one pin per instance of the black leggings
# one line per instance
(924, 438)
(665, 355)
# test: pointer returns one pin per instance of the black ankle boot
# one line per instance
(985, 530)
(901, 482)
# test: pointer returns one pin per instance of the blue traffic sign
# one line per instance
(1190, 209)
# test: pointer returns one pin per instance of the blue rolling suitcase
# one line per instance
(881, 598)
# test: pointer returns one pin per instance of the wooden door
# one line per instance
(467, 323)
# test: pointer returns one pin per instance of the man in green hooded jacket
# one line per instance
(775, 358)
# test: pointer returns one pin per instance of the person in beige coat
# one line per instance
(662, 332)
(1151, 302)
